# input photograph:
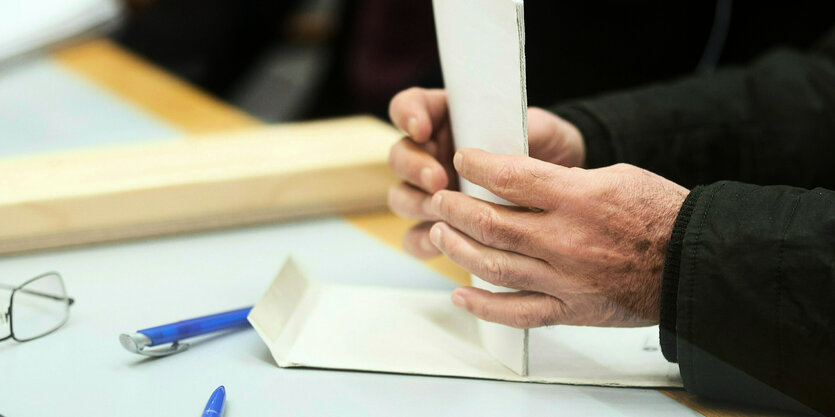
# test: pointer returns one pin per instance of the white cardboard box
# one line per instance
(307, 323)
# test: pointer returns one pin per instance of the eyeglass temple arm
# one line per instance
(38, 293)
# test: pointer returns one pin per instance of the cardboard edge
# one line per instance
(523, 78)
(520, 27)
(495, 337)
(279, 315)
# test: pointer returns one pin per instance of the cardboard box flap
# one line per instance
(307, 323)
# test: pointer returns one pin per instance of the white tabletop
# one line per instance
(81, 370)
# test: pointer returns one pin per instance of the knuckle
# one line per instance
(482, 310)
(493, 229)
(624, 168)
(395, 156)
(411, 91)
(503, 178)
(494, 268)
(391, 198)
(576, 172)
(526, 316)
(485, 224)
(546, 313)
(500, 271)
(392, 156)
(572, 244)
(555, 312)
(539, 178)
(403, 97)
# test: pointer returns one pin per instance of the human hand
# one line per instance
(424, 158)
(592, 254)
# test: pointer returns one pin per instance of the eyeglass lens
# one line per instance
(39, 307)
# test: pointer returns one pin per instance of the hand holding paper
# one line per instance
(424, 158)
(307, 323)
(591, 256)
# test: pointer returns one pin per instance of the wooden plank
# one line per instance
(245, 177)
(186, 107)
(154, 90)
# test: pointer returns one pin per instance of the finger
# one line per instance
(418, 112)
(410, 203)
(522, 180)
(502, 268)
(555, 140)
(490, 224)
(416, 242)
(524, 309)
(417, 167)
(543, 134)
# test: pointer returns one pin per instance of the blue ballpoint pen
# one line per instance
(214, 408)
(173, 333)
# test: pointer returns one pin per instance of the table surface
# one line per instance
(96, 93)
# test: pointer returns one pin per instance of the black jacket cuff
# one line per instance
(599, 149)
(669, 281)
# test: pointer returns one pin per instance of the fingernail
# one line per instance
(458, 300)
(412, 127)
(435, 236)
(456, 160)
(426, 245)
(426, 178)
(436, 203)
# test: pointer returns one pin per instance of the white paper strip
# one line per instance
(482, 48)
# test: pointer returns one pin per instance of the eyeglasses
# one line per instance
(37, 307)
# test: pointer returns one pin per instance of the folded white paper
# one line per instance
(306, 323)
(482, 49)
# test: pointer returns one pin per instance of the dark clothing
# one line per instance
(748, 294)
(770, 123)
(382, 46)
(752, 281)
(598, 45)
(212, 43)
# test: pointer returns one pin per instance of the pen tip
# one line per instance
(221, 389)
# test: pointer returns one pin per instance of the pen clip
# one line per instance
(139, 343)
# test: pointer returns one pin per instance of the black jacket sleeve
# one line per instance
(748, 294)
(770, 123)
(751, 275)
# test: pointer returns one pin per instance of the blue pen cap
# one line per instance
(214, 408)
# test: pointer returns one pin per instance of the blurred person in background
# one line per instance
(297, 59)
